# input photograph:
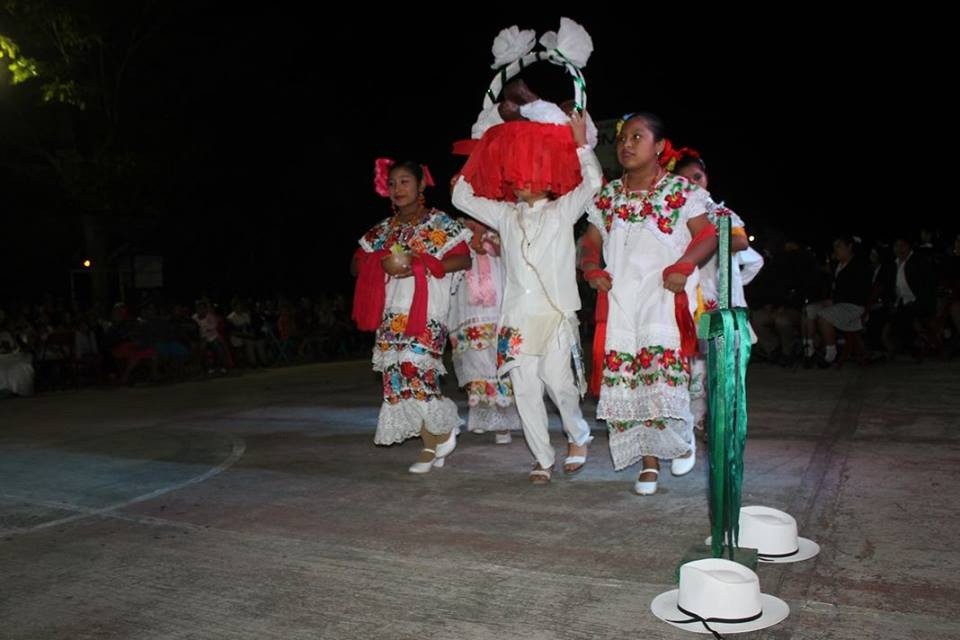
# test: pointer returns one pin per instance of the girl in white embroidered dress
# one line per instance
(646, 221)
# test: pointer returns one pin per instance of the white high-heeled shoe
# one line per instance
(683, 466)
(446, 448)
(424, 467)
(646, 488)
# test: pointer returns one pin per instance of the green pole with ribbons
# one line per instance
(726, 336)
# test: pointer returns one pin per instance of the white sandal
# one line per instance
(578, 460)
(646, 488)
(539, 475)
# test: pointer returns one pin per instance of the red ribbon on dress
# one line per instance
(370, 291)
(599, 343)
(421, 264)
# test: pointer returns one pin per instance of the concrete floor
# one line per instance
(258, 507)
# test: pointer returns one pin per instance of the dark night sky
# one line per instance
(264, 143)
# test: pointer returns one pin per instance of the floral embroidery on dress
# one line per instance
(406, 381)
(432, 234)
(390, 336)
(660, 206)
(508, 345)
(489, 392)
(650, 365)
(476, 336)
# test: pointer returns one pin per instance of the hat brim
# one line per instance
(806, 549)
(664, 606)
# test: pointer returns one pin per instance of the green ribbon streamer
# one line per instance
(728, 353)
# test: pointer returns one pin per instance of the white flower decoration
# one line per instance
(549, 40)
(574, 42)
(511, 44)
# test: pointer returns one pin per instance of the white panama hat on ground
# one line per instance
(718, 596)
(773, 534)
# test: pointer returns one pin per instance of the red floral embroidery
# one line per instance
(614, 361)
(645, 358)
(508, 345)
(676, 200)
(668, 359)
(651, 365)
(408, 370)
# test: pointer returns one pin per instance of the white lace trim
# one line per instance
(484, 417)
(402, 420)
(628, 447)
(646, 403)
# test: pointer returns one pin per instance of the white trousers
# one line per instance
(550, 371)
